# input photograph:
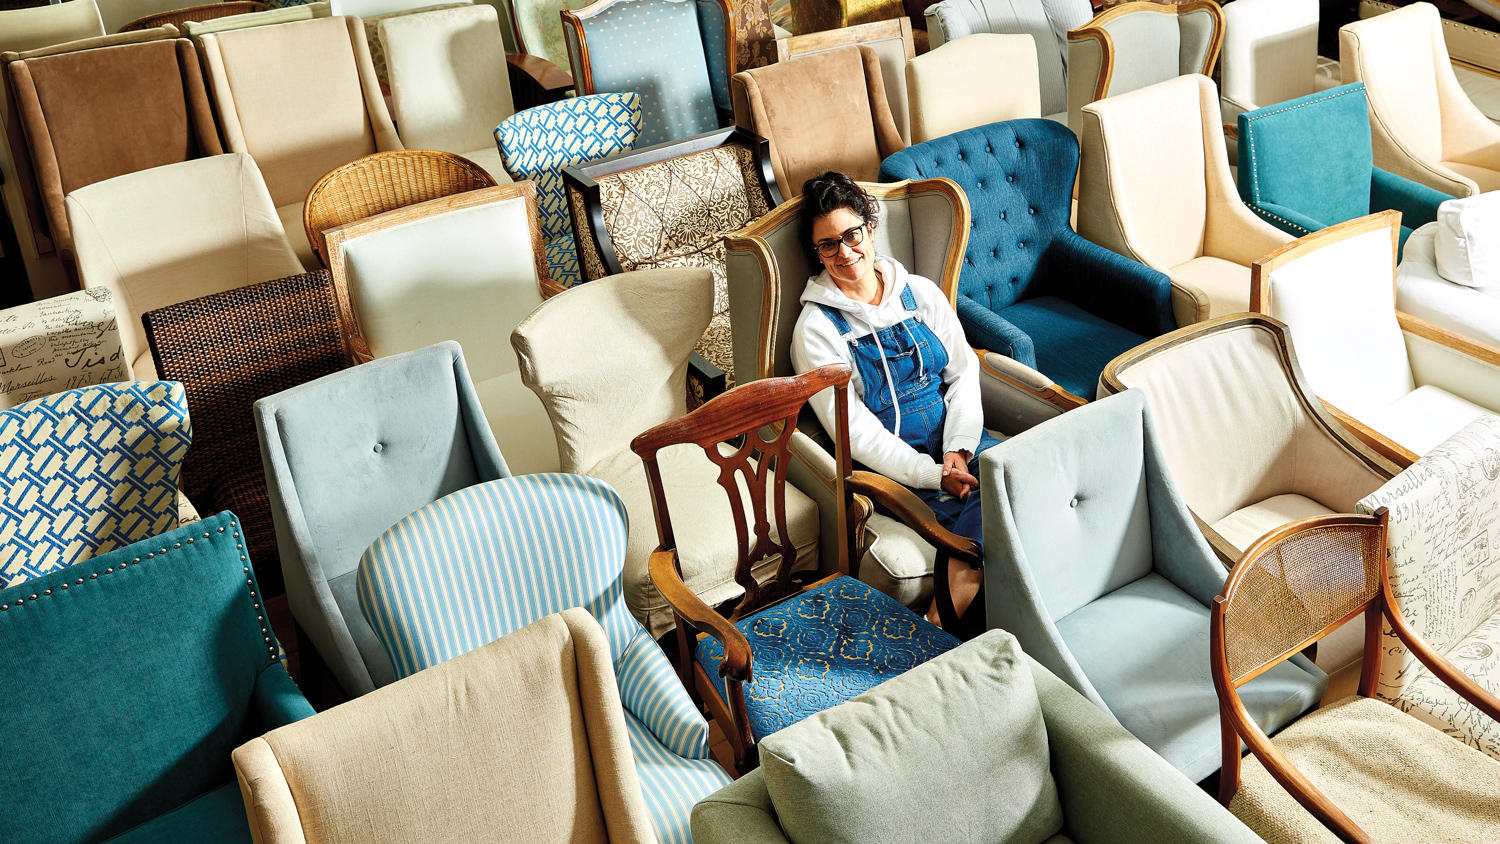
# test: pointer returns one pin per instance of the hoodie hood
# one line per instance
(822, 290)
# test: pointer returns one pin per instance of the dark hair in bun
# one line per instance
(828, 193)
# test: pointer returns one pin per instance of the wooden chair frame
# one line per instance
(1095, 30)
(1235, 721)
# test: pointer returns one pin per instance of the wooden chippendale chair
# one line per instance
(786, 649)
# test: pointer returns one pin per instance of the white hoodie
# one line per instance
(816, 342)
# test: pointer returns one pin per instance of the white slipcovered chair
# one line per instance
(1154, 185)
(1270, 55)
(944, 100)
(1450, 269)
(1401, 383)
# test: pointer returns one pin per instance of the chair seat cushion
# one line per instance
(489, 158)
(1225, 283)
(1428, 698)
(1072, 345)
(1422, 292)
(520, 423)
(218, 816)
(1391, 773)
(1247, 524)
(898, 562)
(822, 647)
(1424, 417)
(1150, 628)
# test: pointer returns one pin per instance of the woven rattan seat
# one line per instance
(207, 12)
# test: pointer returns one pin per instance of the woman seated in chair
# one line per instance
(919, 420)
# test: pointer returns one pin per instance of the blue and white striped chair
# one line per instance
(489, 559)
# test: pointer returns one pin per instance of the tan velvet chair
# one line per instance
(1154, 185)
(519, 741)
(944, 98)
(166, 235)
(298, 132)
(1422, 124)
(823, 112)
(892, 42)
(1133, 45)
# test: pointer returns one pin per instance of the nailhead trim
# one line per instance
(1248, 140)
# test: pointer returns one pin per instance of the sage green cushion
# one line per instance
(872, 769)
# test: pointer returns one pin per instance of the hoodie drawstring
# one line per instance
(889, 380)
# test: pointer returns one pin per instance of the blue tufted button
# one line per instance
(1018, 143)
(981, 183)
(1022, 244)
(988, 150)
(1002, 215)
(1030, 210)
(1010, 178)
(960, 156)
(1014, 280)
(992, 252)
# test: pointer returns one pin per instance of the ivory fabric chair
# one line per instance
(1112, 582)
(1270, 55)
(294, 136)
(168, 636)
(1402, 384)
(943, 98)
(571, 351)
(466, 268)
(1472, 49)
(558, 541)
(372, 30)
(58, 344)
(824, 112)
(1138, 44)
(1186, 219)
(161, 236)
(1447, 276)
(1425, 128)
(892, 42)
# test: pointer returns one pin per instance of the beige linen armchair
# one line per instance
(944, 99)
(1154, 185)
(1133, 45)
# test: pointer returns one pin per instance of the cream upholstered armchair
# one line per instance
(1132, 45)
(521, 740)
(1401, 383)
(297, 133)
(944, 99)
(1424, 127)
(1154, 185)
(169, 234)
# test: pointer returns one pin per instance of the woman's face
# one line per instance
(850, 264)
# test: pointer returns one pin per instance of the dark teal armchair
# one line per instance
(127, 680)
(1306, 164)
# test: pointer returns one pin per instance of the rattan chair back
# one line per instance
(384, 182)
(207, 12)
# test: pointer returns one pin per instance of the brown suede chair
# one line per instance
(827, 111)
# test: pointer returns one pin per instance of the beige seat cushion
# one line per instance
(1393, 774)
(1227, 284)
(1428, 698)
(898, 562)
(1423, 418)
(1247, 524)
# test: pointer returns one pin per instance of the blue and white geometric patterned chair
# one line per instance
(676, 53)
(539, 142)
(490, 559)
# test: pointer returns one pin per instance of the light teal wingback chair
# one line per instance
(349, 455)
(677, 54)
(490, 559)
(1095, 563)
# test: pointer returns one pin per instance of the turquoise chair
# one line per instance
(129, 678)
(490, 559)
(1306, 164)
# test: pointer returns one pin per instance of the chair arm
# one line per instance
(1417, 202)
(688, 606)
(277, 699)
(651, 691)
(1435, 662)
(738, 813)
(1292, 222)
(535, 80)
(1016, 397)
(988, 330)
(911, 511)
(1107, 285)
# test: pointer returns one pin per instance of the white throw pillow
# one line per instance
(1468, 242)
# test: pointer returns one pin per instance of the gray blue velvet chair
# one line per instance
(1306, 164)
(1031, 288)
(349, 455)
(1094, 562)
(129, 678)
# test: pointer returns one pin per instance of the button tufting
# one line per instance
(1030, 210)
(1022, 244)
(1073, 503)
(1018, 143)
(1010, 178)
(379, 447)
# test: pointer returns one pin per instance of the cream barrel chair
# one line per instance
(944, 99)
(1154, 185)
(169, 234)
(1423, 125)
(298, 132)
(1401, 383)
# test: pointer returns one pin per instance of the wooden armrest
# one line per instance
(546, 75)
(1231, 131)
(916, 515)
(692, 609)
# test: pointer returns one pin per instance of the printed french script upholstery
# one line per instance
(58, 344)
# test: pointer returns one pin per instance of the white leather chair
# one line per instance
(940, 84)
(1450, 269)
(1401, 383)
(1270, 55)
(1154, 185)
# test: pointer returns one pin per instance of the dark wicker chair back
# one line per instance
(207, 12)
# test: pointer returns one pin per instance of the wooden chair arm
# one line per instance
(691, 608)
(535, 81)
(916, 515)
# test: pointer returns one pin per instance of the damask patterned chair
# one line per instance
(893, 45)
(1133, 45)
(536, 144)
(677, 55)
(551, 542)
(58, 344)
(671, 206)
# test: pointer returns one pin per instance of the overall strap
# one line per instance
(840, 324)
(908, 300)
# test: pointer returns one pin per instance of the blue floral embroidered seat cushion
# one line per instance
(823, 647)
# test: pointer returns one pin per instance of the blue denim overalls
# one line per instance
(913, 357)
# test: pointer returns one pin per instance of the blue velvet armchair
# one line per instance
(1031, 288)
(1306, 164)
(129, 679)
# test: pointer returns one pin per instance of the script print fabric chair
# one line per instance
(536, 144)
(1447, 274)
(410, 431)
(485, 561)
(1110, 581)
(533, 749)
(58, 344)
(1356, 758)
(1031, 288)
(167, 636)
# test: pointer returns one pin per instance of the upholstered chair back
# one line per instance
(893, 45)
(58, 344)
(539, 28)
(404, 431)
(1397, 56)
(1270, 52)
(284, 14)
(165, 235)
(526, 735)
(1046, 21)
(377, 46)
(944, 101)
(42, 26)
(1133, 45)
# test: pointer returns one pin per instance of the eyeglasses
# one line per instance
(851, 238)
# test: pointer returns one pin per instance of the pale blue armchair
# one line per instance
(1095, 564)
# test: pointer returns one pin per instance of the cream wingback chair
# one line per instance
(1132, 45)
(1423, 125)
(1154, 185)
(169, 234)
(298, 132)
(944, 100)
